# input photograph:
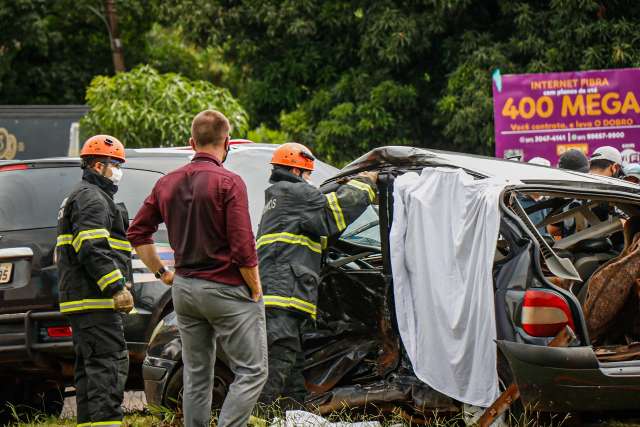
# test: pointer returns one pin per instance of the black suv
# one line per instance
(36, 352)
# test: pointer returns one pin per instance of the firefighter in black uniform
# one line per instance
(296, 220)
(94, 264)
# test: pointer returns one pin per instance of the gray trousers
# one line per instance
(210, 312)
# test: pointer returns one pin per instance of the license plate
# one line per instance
(5, 272)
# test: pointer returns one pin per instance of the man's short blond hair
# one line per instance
(210, 127)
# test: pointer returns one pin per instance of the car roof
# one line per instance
(250, 161)
(159, 159)
(515, 172)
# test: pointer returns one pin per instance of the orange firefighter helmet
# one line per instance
(293, 155)
(103, 146)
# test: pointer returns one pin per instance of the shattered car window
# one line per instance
(364, 231)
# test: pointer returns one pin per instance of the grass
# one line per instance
(165, 417)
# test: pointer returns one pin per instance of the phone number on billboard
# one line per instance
(605, 135)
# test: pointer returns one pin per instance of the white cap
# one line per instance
(632, 169)
(607, 153)
(540, 161)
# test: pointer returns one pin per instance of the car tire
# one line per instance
(223, 378)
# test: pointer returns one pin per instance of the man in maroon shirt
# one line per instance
(216, 292)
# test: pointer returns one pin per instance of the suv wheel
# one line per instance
(221, 382)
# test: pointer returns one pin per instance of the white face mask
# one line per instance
(116, 175)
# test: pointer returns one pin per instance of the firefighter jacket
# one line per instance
(296, 219)
(93, 254)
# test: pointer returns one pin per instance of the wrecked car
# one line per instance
(355, 358)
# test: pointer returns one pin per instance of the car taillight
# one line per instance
(19, 167)
(59, 331)
(545, 313)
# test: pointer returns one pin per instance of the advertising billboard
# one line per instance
(543, 115)
(36, 131)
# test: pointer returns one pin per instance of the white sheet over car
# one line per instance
(443, 240)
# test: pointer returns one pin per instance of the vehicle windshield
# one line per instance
(364, 231)
(31, 198)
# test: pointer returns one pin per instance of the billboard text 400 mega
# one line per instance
(546, 114)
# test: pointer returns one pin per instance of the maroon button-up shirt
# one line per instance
(206, 211)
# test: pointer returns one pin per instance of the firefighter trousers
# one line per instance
(101, 368)
(286, 359)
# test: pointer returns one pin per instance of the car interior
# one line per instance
(594, 253)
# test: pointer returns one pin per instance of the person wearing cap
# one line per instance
(606, 161)
(574, 160)
(296, 220)
(94, 264)
(632, 173)
(541, 161)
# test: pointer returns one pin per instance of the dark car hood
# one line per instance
(519, 174)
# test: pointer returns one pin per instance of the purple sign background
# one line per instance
(543, 115)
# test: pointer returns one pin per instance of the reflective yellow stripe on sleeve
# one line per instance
(67, 239)
(83, 425)
(98, 233)
(290, 302)
(290, 238)
(86, 304)
(364, 187)
(122, 245)
(107, 423)
(64, 239)
(109, 278)
(336, 210)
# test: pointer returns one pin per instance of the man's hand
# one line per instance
(372, 175)
(123, 301)
(256, 290)
(251, 277)
(167, 277)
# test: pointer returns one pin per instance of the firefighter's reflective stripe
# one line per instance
(107, 423)
(122, 245)
(290, 302)
(98, 233)
(364, 187)
(336, 210)
(290, 238)
(83, 425)
(109, 278)
(64, 239)
(86, 304)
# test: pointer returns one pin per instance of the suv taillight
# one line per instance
(545, 313)
(59, 331)
(19, 167)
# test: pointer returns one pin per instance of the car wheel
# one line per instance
(221, 382)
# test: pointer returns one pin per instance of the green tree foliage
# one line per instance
(168, 52)
(51, 49)
(147, 109)
(345, 76)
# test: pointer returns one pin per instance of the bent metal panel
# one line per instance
(543, 115)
